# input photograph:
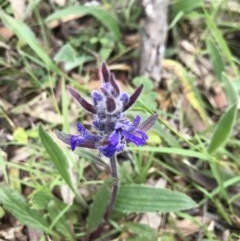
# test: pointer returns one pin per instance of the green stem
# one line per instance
(115, 187)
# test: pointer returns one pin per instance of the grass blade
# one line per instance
(59, 220)
(102, 15)
(185, 5)
(139, 198)
(217, 35)
(170, 150)
(216, 58)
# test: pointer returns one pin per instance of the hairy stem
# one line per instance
(114, 173)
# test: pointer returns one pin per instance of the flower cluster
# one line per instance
(113, 129)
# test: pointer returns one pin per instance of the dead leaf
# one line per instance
(13, 233)
(56, 23)
(189, 227)
(18, 7)
(6, 33)
(219, 99)
(34, 235)
(40, 107)
(61, 3)
(189, 91)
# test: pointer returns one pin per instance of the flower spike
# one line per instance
(112, 128)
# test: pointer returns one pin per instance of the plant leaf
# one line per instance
(98, 207)
(57, 156)
(40, 198)
(140, 198)
(69, 57)
(102, 15)
(223, 129)
(14, 202)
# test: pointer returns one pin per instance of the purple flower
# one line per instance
(112, 129)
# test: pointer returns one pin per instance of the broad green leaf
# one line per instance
(148, 94)
(57, 156)
(102, 15)
(69, 57)
(140, 198)
(20, 135)
(98, 207)
(148, 84)
(223, 129)
(40, 198)
(216, 58)
(25, 34)
(14, 202)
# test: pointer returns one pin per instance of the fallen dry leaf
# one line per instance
(189, 227)
(6, 33)
(61, 3)
(18, 7)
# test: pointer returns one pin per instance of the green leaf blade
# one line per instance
(185, 5)
(139, 198)
(216, 58)
(102, 15)
(57, 156)
(98, 207)
(223, 129)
